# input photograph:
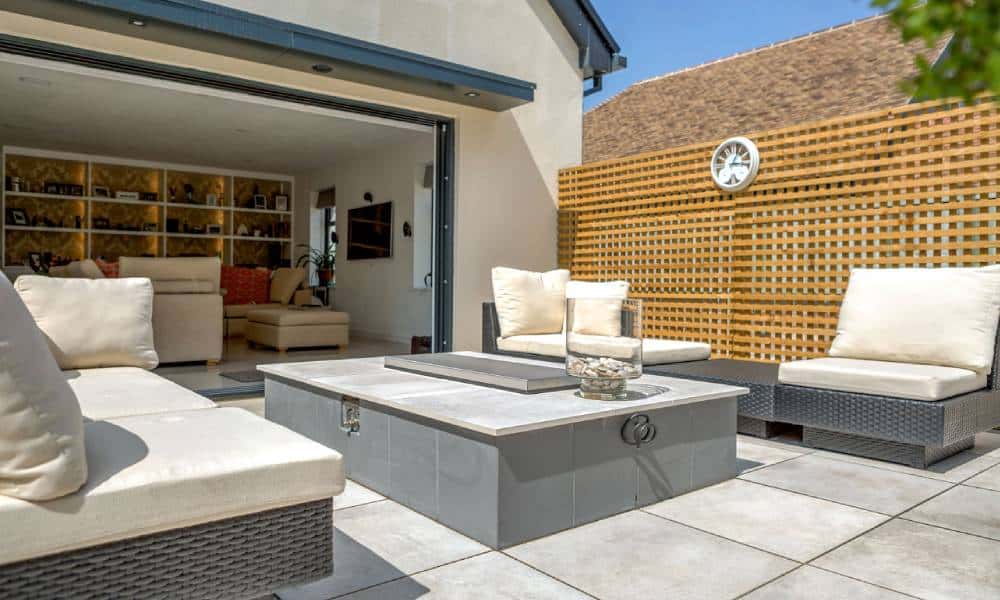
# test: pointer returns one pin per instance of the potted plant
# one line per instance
(323, 260)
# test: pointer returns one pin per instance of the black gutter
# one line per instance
(599, 51)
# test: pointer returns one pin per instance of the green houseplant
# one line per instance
(323, 259)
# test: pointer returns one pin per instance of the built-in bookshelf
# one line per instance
(78, 206)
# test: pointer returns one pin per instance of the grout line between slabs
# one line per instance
(549, 575)
(409, 575)
(807, 495)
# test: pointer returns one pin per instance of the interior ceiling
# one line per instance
(124, 116)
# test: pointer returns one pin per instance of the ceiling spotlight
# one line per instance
(471, 94)
(137, 21)
(322, 68)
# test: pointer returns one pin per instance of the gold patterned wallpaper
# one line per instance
(247, 252)
(34, 171)
(192, 246)
(243, 190)
(120, 178)
(110, 247)
(203, 184)
(66, 244)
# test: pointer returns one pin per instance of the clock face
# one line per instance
(735, 163)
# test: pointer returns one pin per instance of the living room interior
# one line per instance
(240, 193)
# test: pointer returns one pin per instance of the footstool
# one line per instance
(295, 327)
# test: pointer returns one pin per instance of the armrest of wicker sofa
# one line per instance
(491, 328)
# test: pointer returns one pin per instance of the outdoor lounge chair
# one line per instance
(180, 500)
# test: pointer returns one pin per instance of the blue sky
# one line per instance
(660, 36)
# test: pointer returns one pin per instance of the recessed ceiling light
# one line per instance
(137, 21)
(322, 68)
(471, 94)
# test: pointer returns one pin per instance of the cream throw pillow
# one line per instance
(284, 282)
(597, 306)
(925, 316)
(93, 322)
(528, 302)
(41, 429)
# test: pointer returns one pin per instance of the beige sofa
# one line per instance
(179, 498)
(289, 286)
(187, 307)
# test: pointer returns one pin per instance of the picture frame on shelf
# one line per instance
(75, 189)
(101, 191)
(34, 261)
(101, 223)
(120, 195)
(149, 196)
(281, 202)
(17, 216)
(213, 229)
(259, 201)
(150, 227)
(211, 200)
(51, 187)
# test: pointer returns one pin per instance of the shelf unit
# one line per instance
(130, 222)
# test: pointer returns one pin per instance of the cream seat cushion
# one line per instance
(126, 391)
(881, 378)
(528, 302)
(153, 473)
(942, 317)
(284, 282)
(93, 323)
(597, 306)
(41, 430)
(654, 352)
(183, 286)
(238, 311)
(290, 317)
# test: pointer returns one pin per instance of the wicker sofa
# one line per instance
(179, 498)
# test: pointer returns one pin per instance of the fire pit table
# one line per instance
(502, 466)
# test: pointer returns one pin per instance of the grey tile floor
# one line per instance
(795, 524)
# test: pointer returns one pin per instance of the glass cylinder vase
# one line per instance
(603, 345)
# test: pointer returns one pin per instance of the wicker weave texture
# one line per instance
(912, 455)
(233, 558)
(760, 274)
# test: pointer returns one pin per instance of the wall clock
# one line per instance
(735, 163)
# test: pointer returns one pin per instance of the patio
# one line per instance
(796, 523)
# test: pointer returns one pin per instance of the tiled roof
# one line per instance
(847, 69)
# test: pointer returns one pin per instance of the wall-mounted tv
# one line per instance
(369, 231)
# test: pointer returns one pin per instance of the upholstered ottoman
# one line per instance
(294, 327)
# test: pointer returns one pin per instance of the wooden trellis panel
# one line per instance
(760, 274)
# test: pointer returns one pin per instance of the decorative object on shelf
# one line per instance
(126, 195)
(213, 229)
(149, 196)
(283, 229)
(13, 184)
(211, 200)
(101, 191)
(74, 189)
(35, 262)
(603, 345)
(189, 193)
(257, 233)
(197, 229)
(101, 223)
(281, 202)
(324, 260)
(368, 197)
(173, 225)
(242, 230)
(369, 231)
(150, 227)
(259, 201)
(51, 187)
(17, 216)
(735, 163)
(78, 221)
(173, 193)
(407, 230)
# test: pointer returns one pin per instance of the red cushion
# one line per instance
(245, 286)
(110, 269)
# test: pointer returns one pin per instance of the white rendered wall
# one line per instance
(506, 163)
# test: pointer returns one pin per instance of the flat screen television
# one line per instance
(369, 231)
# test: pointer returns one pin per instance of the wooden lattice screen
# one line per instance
(759, 274)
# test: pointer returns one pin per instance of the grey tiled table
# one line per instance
(500, 466)
(756, 409)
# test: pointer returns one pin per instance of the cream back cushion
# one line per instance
(528, 302)
(597, 306)
(284, 282)
(92, 323)
(925, 316)
(41, 429)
